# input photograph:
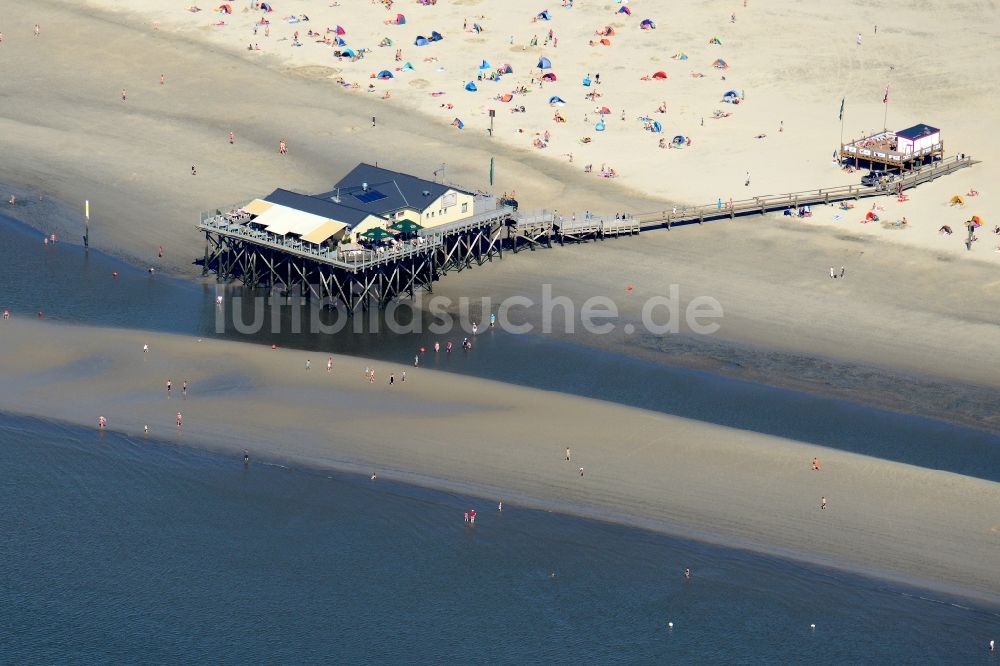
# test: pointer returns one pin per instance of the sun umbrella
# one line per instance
(406, 226)
(377, 234)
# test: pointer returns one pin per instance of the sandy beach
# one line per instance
(498, 442)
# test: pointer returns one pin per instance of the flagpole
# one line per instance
(86, 222)
(885, 114)
(841, 153)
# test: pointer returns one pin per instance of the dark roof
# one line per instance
(387, 191)
(917, 131)
(317, 205)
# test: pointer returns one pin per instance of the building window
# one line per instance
(465, 207)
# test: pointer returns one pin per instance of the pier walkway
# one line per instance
(360, 278)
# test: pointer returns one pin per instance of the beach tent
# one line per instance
(349, 53)
(549, 76)
(730, 93)
(224, 9)
(604, 111)
(605, 41)
(400, 19)
(457, 122)
(586, 81)
(266, 7)
(660, 75)
(976, 221)
(956, 201)
(421, 41)
(385, 42)
(408, 67)
(544, 15)
(657, 127)
(471, 87)
(625, 10)
(606, 31)
(678, 140)
(556, 101)
(340, 42)
(340, 31)
(870, 215)
(544, 63)
(599, 126)
(680, 55)
(720, 64)
(485, 65)
(385, 74)
(506, 69)
(647, 24)
(506, 97)
(436, 36)
(715, 40)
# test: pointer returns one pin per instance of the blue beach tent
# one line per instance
(421, 41)
(485, 65)
(555, 99)
(471, 87)
(544, 15)
(599, 126)
(436, 36)
(544, 63)
(385, 74)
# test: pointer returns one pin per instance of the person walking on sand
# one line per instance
(308, 364)
(581, 471)
(145, 348)
(124, 95)
(170, 385)
(329, 364)
(567, 454)
(184, 389)
(859, 39)
(282, 147)
(232, 138)
(816, 464)
(403, 378)
(842, 270)
(162, 79)
(373, 121)
(747, 183)
(38, 30)
(832, 274)
(822, 502)
(371, 377)
(180, 420)
(392, 379)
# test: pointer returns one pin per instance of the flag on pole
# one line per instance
(841, 117)
(885, 97)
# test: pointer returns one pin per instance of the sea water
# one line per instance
(122, 550)
(127, 550)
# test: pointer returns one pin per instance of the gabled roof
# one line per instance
(317, 205)
(380, 191)
(917, 131)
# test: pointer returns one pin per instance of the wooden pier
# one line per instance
(367, 278)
